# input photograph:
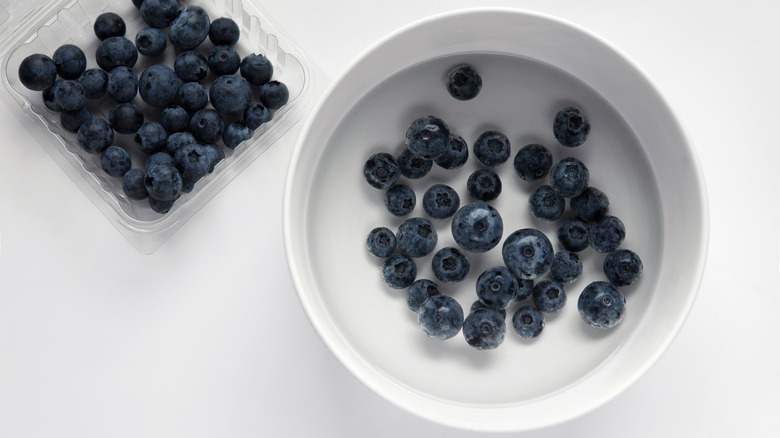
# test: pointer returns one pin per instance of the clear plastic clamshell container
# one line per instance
(42, 26)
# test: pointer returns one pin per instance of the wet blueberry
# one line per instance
(94, 81)
(189, 28)
(528, 322)
(590, 205)
(497, 287)
(416, 237)
(381, 171)
(190, 66)
(122, 85)
(399, 271)
(70, 61)
(546, 204)
(622, 267)
(235, 133)
(477, 227)
(158, 85)
(566, 266)
(151, 41)
(126, 118)
(569, 177)
(601, 305)
(463, 82)
(571, 127)
(420, 291)
(274, 94)
(441, 317)
(207, 125)
(533, 162)
(381, 242)
(224, 31)
(224, 60)
(484, 329)
(133, 184)
(428, 137)
(412, 166)
(115, 51)
(456, 154)
(484, 185)
(37, 72)
(400, 200)
(109, 24)
(573, 234)
(151, 137)
(492, 148)
(115, 161)
(606, 234)
(450, 265)
(440, 201)
(230, 94)
(528, 253)
(159, 13)
(95, 135)
(256, 114)
(549, 295)
(257, 69)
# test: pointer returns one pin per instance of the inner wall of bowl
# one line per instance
(74, 25)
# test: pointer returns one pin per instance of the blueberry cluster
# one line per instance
(181, 116)
(534, 274)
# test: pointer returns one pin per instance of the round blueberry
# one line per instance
(484, 185)
(235, 133)
(224, 60)
(456, 155)
(224, 31)
(94, 81)
(109, 24)
(590, 205)
(450, 265)
(381, 242)
(126, 118)
(463, 82)
(70, 61)
(158, 85)
(484, 329)
(151, 41)
(400, 200)
(569, 177)
(566, 266)
(69, 95)
(133, 184)
(215, 153)
(440, 316)
(440, 201)
(571, 127)
(622, 267)
(230, 94)
(159, 13)
(546, 204)
(412, 166)
(274, 94)
(189, 28)
(549, 295)
(399, 271)
(191, 66)
(257, 69)
(256, 114)
(151, 137)
(606, 234)
(573, 234)
(71, 121)
(428, 137)
(192, 96)
(528, 253)
(420, 291)
(95, 135)
(122, 85)
(37, 72)
(115, 51)
(497, 287)
(175, 119)
(381, 171)
(193, 163)
(492, 148)
(115, 161)
(416, 237)
(533, 162)
(601, 305)
(163, 182)
(207, 125)
(477, 227)
(528, 322)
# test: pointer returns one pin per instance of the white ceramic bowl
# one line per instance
(532, 65)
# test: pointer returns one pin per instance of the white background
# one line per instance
(206, 338)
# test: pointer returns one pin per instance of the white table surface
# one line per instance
(206, 337)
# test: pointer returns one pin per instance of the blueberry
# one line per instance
(133, 184)
(456, 155)
(207, 125)
(70, 61)
(224, 31)
(71, 121)
(95, 135)
(492, 148)
(122, 85)
(533, 162)
(158, 85)
(569, 177)
(126, 118)
(428, 137)
(546, 204)
(37, 72)
(256, 114)
(224, 60)
(606, 234)
(151, 137)
(528, 322)
(274, 94)
(381, 170)
(94, 81)
(177, 140)
(484, 185)
(163, 182)
(622, 267)
(497, 287)
(549, 295)
(476, 305)
(573, 234)
(420, 291)
(191, 66)
(193, 163)
(109, 24)
(477, 227)
(49, 99)
(412, 166)
(115, 161)
(192, 96)
(450, 265)
(230, 94)
(159, 13)
(69, 95)
(175, 119)
(601, 305)
(158, 158)
(151, 41)
(257, 69)
(528, 253)
(161, 207)
(566, 266)
(235, 133)
(463, 82)
(440, 316)
(440, 201)
(381, 242)
(571, 127)
(400, 200)
(590, 205)
(524, 289)
(399, 271)
(115, 51)
(189, 28)
(416, 237)
(484, 329)
(215, 154)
